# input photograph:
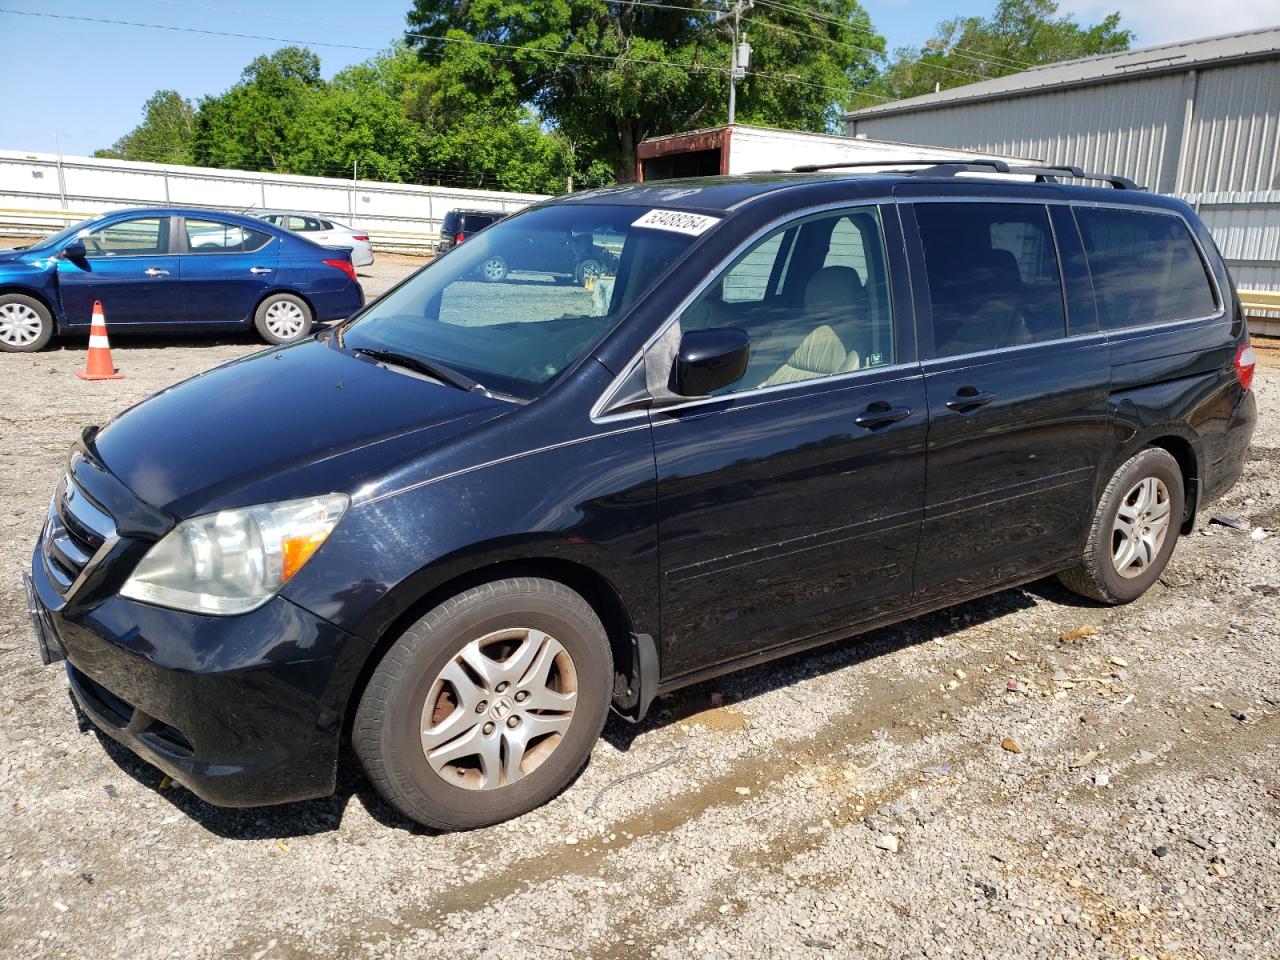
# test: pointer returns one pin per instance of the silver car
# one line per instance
(322, 230)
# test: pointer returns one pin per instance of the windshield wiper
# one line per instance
(432, 368)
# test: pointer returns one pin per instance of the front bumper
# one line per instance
(243, 711)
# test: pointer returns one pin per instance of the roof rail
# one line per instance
(922, 161)
(950, 167)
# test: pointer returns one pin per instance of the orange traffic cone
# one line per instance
(99, 366)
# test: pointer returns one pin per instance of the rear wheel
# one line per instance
(26, 325)
(488, 706)
(494, 270)
(283, 318)
(1134, 530)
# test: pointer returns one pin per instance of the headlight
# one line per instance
(234, 560)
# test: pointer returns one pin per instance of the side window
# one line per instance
(813, 297)
(748, 280)
(312, 225)
(213, 236)
(296, 223)
(993, 275)
(145, 236)
(1145, 267)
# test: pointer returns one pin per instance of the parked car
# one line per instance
(573, 257)
(323, 230)
(457, 225)
(172, 270)
(810, 405)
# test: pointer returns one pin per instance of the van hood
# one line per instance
(288, 422)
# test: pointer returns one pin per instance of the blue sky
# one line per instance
(86, 82)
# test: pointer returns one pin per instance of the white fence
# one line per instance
(42, 192)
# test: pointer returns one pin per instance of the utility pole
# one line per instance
(62, 178)
(739, 57)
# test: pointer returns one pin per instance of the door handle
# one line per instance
(881, 414)
(155, 272)
(969, 398)
(258, 270)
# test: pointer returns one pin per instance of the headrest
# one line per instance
(833, 287)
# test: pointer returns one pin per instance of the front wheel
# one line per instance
(283, 318)
(588, 269)
(1134, 530)
(488, 706)
(26, 325)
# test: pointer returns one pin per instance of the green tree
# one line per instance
(361, 119)
(165, 134)
(605, 75)
(254, 125)
(1020, 34)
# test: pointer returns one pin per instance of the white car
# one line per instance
(323, 230)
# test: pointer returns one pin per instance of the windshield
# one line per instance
(515, 305)
(64, 234)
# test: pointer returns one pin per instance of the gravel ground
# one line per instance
(1022, 776)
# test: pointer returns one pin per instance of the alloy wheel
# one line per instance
(499, 708)
(1140, 527)
(20, 325)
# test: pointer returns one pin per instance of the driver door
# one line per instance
(131, 268)
(790, 502)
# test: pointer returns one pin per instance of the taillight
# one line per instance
(459, 237)
(1245, 363)
(343, 265)
(358, 237)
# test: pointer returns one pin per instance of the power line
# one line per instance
(620, 59)
(806, 11)
(851, 46)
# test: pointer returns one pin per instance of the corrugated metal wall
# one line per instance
(1230, 161)
(1235, 135)
(1136, 135)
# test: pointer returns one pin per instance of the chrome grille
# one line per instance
(76, 534)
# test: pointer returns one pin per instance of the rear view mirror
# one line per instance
(711, 359)
(74, 250)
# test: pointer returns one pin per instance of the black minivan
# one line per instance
(458, 225)
(806, 405)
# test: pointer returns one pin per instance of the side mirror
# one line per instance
(710, 359)
(75, 250)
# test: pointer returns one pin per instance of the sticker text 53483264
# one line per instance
(677, 221)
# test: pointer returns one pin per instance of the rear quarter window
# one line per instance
(1145, 266)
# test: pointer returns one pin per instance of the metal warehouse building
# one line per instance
(1200, 120)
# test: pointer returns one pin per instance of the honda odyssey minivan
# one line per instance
(807, 405)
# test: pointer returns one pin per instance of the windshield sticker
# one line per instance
(677, 221)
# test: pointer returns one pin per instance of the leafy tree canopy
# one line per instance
(165, 134)
(1020, 34)
(548, 95)
(606, 75)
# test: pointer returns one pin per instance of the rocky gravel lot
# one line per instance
(1022, 776)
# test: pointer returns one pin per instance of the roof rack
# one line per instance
(950, 167)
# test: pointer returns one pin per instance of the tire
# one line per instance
(494, 270)
(455, 791)
(1098, 575)
(590, 267)
(283, 318)
(26, 325)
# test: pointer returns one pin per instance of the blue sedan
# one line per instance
(173, 270)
